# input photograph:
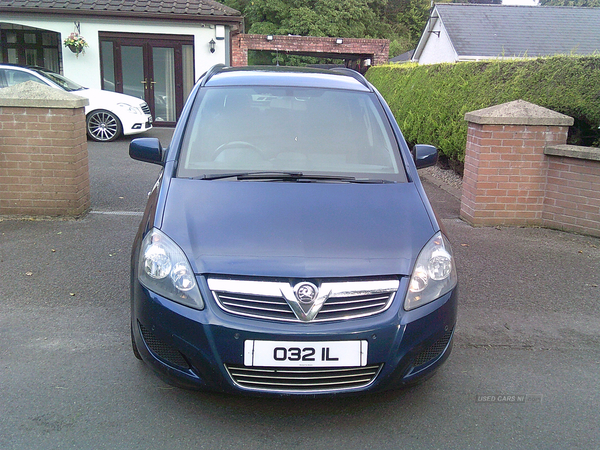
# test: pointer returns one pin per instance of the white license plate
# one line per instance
(305, 354)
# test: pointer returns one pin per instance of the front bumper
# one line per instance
(205, 349)
(135, 123)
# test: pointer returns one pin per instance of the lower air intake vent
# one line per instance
(433, 351)
(164, 351)
(316, 379)
(145, 108)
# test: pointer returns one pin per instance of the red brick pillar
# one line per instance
(43, 152)
(239, 51)
(505, 171)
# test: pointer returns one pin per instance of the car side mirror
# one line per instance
(147, 150)
(425, 155)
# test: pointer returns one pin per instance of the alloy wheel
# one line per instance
(103, 126)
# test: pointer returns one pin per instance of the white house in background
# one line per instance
(470, 32)
(152, 49)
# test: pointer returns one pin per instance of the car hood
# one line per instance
(107, 99)
(297, 230)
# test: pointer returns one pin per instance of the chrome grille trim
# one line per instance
(302, 380)
(271, 300)
(249, 306)
(340, 305)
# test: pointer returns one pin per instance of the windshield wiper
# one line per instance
(253, 175)
(371, 181)
(290, 176)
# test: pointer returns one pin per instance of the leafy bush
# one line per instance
(430, 101)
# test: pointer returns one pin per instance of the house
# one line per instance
(403, 58)
(468, 32)
(152, 49)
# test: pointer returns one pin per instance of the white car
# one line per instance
(108, 115)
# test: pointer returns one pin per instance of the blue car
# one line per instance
(288, 246)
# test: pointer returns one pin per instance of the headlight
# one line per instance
(163, 268)
(434, 274)
(130, 108)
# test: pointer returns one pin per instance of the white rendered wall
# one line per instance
(85, 69)
(438, 49)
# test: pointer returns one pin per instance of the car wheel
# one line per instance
(103, 126)
(136, 352)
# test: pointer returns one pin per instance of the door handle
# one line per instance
(146, 82)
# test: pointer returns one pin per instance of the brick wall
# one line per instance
(43, 161)
(510, 178)
(505, 173)
(375, 49)
(572, 200)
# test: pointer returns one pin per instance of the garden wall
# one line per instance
(43, 152)
(519, 171)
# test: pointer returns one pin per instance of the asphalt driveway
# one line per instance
(523, 373)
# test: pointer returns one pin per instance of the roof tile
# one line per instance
(175, 7)
(498, 30)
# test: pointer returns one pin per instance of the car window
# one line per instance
(289, 129)
(63, 82)
(17, 76)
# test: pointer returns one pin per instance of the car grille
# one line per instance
(145, 108)
(271, 300)
(255, 306)
(303, 379)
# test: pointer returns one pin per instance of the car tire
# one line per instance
(134, 347)
(103, 126)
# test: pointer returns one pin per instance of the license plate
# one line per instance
(305, 354)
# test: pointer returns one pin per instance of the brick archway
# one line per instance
(375, 50)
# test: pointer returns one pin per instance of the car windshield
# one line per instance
(289, 131)
(65, 83)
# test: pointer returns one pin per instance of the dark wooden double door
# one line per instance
(157, 69)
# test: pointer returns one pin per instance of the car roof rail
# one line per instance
(354, 74)
(211, 72)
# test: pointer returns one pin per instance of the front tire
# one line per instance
(103, 126)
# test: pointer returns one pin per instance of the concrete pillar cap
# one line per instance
(36, 95)
(518, 112)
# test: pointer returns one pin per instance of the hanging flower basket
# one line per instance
(75, 43)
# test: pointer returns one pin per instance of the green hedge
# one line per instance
(430, 101)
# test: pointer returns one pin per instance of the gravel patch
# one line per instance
(447, 180)
(450, 177)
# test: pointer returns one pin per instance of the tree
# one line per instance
(400, 21)
(343, 18)
(407, 19)
(339, 18)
